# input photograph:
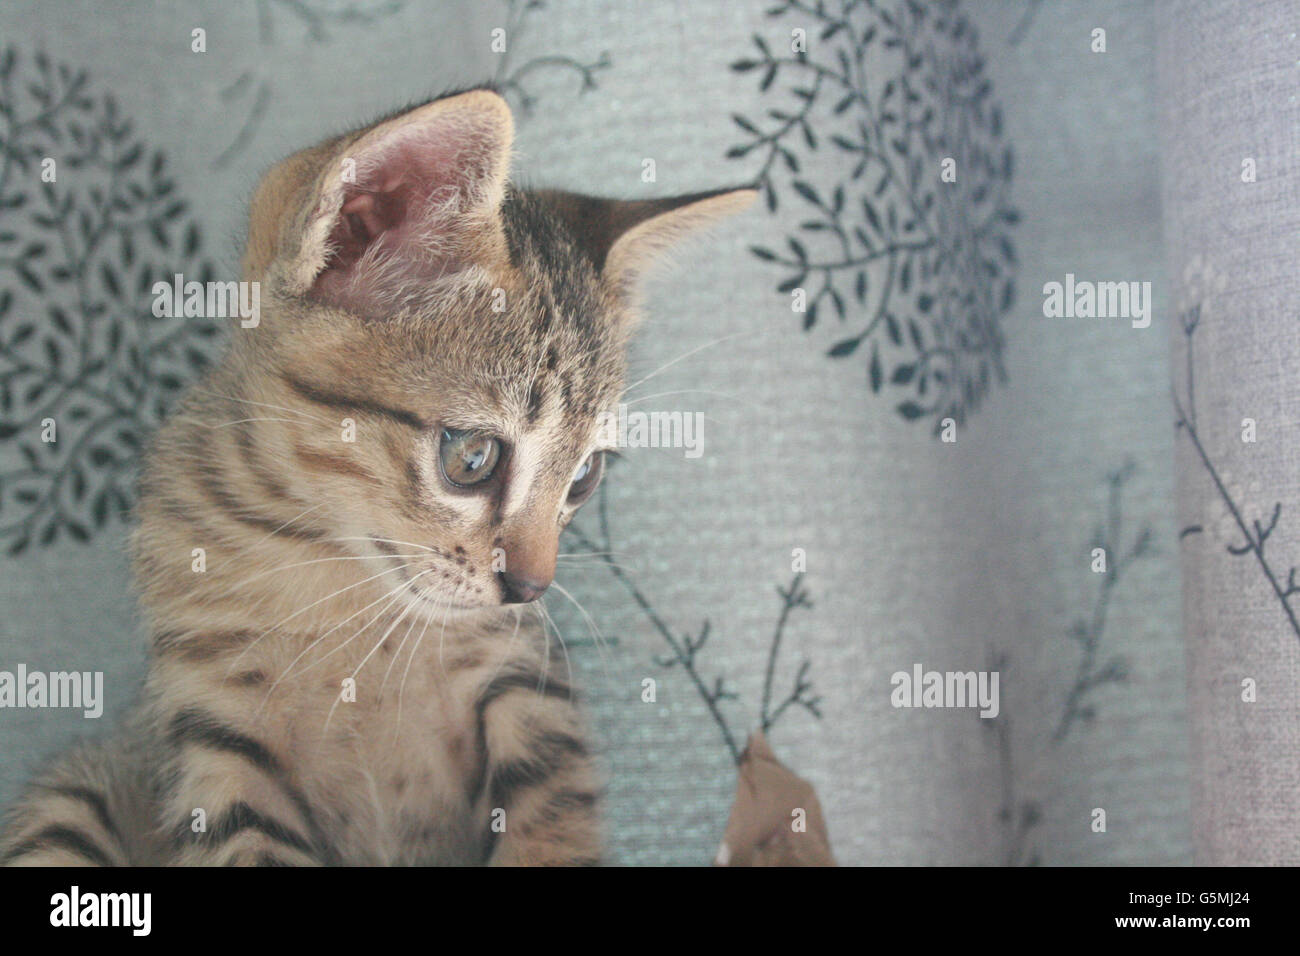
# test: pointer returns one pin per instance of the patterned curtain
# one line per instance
(912, 461)
(1230, 198)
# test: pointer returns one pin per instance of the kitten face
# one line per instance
(520, 360)
(452, 342)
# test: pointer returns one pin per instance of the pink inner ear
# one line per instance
(395, 230)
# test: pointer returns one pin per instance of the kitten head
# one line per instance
(443, 344)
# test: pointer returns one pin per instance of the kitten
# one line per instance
(350, 670)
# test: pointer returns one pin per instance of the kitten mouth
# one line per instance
(414, 587)
(435, 603)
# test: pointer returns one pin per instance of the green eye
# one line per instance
(587, 477)
(468, 458)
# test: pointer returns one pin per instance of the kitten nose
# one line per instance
(529, 550)
(521, 590)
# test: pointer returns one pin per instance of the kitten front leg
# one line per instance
(540, 784)
(66, 816)
(228, 799)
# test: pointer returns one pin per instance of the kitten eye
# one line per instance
(468, 457)
(587, 477)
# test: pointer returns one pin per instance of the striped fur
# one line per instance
(296, 534)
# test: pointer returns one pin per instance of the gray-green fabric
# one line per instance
(958, 556)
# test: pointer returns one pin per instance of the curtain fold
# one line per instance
(1231, 202)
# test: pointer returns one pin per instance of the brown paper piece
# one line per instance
(764, 828)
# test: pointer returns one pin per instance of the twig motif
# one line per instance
(684, 648)
(1025, 22)
(509, 79)
(316, 16)
(1018, 816)
(1255, 533)
(794, 596)
(1089, 632)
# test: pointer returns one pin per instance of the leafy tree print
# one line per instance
(90, 220)
(916, 271)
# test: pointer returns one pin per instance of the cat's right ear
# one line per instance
(625, 239)
(364, 220)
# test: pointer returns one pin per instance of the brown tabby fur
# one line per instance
(326, 559)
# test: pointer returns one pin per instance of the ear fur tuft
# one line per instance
(388, 209)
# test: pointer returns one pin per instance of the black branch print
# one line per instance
(90, 219)
(801, 692)
(1025, 22)
(684, 648)
(511, 78)
(1088, 632)
(252, 90)
(1255, 530)
(917, 272)
(1018, 815)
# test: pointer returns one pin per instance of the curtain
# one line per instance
(1228, 147)
(923, 450)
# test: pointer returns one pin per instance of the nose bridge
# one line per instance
(531, 543)
(530, 532)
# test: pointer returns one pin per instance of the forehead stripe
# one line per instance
(323, 396)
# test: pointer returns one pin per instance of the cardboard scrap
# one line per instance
(776, 819)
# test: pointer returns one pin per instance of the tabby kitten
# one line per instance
(343, 525)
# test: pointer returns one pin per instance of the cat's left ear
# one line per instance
(625, 239)
(361, 221)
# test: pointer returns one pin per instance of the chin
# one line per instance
(439, 607)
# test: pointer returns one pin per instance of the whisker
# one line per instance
(401, 690)
(519, 614)
(367, 625)
(546, 647)
(405, 544)
(272, 534)
(568, 663)
(592, 629)
(304, 610)
(599, 567)
(398, 653)
(267, 537)
(303, 564)
(247, 401)
(581, 562)
(442, 636)
(390, 596)
(245, 421)
(691, 391)
(371, 653)
(680, 358)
